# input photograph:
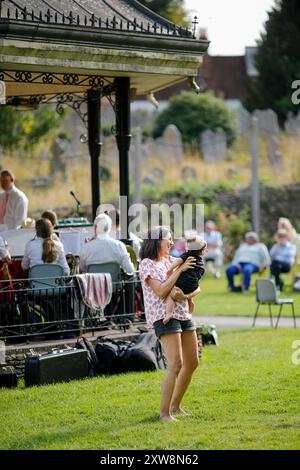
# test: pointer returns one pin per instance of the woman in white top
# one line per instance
(43, 249)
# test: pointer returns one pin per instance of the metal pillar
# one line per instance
(94, 117)
(123, 138)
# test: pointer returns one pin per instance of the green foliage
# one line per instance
(277, 61)
(233, 227)
(171, 9)
(25, 129)
(107, 129)
(193, 114)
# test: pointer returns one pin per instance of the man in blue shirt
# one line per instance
(283, 257)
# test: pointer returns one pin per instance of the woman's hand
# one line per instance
(177, 294)
(189, 263)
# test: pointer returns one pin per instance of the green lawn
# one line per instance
(245, 395)
(215, 300)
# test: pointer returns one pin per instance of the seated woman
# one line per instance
(43, 249)
(283, 257)
(292, 236)
(251, 257)
(51, 215)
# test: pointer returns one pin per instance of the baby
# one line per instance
(188, 281)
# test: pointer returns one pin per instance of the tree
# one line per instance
(173, 10)
(192, 114)
(25, 129)
(277, 61)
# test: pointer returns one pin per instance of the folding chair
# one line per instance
(46, 284)
(46, 277)
(266, 294)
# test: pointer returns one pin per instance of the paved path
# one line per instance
(246, 322)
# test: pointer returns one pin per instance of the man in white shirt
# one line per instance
(13, 202)
(104, 249)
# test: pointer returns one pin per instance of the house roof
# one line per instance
(224, 75)
(102, 38)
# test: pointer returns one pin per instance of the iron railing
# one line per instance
(57, 308)
(91, 20)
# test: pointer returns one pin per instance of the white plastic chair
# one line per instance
(266, 294)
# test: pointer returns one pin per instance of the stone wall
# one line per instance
(283, 201)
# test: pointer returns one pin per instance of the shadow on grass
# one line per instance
(60, 439)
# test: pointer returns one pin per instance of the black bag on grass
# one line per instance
(110, 355)
(145, 354)
(83, 343)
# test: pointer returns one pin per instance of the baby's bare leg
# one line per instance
(170, 307)
(191, 306)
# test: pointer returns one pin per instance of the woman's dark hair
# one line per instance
(44, 229)
(50, 215)
(151, 245)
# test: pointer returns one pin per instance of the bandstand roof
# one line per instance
(67, 46)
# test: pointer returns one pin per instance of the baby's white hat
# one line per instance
(197, 243)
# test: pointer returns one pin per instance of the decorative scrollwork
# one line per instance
(71, 79)
(48, 78)
(96, 82)
(23, 77)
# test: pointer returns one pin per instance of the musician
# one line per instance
(13, 202)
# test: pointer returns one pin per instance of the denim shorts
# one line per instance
(173, 326)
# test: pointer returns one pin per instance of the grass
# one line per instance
(244, 396)
(215, 300)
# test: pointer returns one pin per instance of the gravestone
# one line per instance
(274, 154)
(292, 124)
(158, 174)
(188, 173)
(243, 121)
(149, 180)
(267, 122)
(58, 161)
(213, 145)
(172, 143)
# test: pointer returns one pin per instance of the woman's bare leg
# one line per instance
(170, 308)
(172, 349)
(190, 363)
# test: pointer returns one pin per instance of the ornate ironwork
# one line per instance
(50, 78)
(90, 20)
(75, 99)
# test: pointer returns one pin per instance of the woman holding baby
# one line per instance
(159, 273)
